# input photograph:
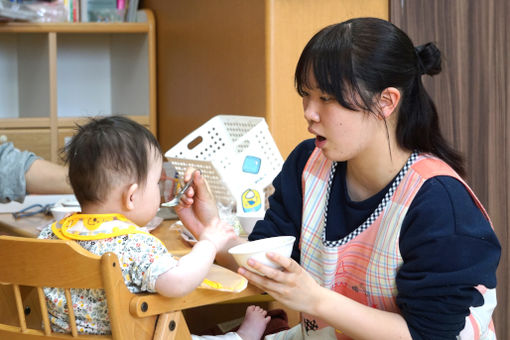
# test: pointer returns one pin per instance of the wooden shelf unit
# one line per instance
(55, 75)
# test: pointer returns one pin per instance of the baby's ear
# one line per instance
(128, 197)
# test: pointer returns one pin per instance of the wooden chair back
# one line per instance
(27, 265)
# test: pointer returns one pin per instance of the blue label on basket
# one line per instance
(251, 164)
(251, 200)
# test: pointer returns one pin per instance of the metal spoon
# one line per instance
(175, 201)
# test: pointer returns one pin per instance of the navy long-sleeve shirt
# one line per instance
(447, 245)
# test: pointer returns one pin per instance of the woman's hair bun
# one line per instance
(429, 58)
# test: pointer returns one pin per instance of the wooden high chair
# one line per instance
(27, 265)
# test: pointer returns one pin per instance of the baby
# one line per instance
(115, 165)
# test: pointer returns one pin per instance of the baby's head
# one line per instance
(116, 156)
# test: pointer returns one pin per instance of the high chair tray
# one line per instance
(223, 279)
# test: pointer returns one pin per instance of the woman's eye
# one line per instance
(326, 98)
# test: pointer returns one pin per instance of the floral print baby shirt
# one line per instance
(142, 257)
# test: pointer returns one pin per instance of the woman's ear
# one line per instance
(388, 101)
(129, 197)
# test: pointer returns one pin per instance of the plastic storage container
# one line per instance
(238, 157)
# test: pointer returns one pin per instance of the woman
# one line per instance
(393, 244)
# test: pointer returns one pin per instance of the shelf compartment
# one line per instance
(102, 74)
(24, 75)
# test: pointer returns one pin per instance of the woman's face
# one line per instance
(341, 134)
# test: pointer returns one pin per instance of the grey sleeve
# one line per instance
(13, 166)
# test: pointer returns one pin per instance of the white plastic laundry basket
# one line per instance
(233, 153)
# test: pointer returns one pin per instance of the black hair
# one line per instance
(106, 151)
(355, 60)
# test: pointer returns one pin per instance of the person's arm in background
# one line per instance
(45, 177)
(23, 172)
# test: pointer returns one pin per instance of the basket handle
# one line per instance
(195, 142)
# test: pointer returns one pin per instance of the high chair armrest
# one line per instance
(143, 305)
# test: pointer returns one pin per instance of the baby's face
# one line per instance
(149, 197)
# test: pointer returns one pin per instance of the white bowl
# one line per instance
(257, 250)
(248, 222)
(59, 212)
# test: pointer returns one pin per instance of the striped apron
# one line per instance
(363, 265)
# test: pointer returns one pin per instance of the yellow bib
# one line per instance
(86, 227)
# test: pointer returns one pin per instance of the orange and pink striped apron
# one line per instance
(363, 265)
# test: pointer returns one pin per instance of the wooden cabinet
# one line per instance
(53, 75)
(239, 57)
(36, 140)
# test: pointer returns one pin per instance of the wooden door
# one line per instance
(471, 94)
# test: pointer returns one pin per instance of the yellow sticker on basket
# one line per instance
(251, 200)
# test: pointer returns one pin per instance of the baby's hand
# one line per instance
(219, 233)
